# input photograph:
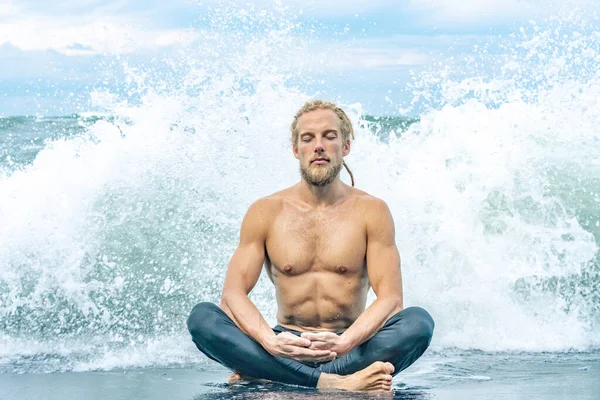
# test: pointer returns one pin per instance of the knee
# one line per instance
(202, 318)
(418, 325)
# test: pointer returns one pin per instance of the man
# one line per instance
(323, 244)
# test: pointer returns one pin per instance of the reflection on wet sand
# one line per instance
(274, 391)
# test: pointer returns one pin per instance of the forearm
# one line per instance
(247, 317)
(371, 320)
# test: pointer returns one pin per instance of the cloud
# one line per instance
(99, 36)
(56, 41)
(329, 8)
(391, 52)
(334, 56)
(72, 7)
(447, 13)
(7, 9)
(371, 58)
(342, 7)
(423, 42)
(118, 26)
(33, 66)
(87, 27)
(466, 13)
(469, 10)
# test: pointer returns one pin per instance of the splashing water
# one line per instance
(110, 236)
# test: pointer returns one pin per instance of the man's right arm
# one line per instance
(243, 273)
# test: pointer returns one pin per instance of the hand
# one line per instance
(327, 341)
(288, 345)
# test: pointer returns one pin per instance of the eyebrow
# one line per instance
(324, 133)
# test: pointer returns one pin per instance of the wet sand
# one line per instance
(481, 376)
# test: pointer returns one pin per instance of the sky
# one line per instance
(53, 55)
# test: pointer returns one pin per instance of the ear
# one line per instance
(346, 149)
(295, 150)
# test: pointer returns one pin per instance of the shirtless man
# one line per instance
(323, 244)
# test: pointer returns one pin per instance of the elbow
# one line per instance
(223, 303)
(228, 296)
(396, 302)
(398, 297)
(225, 296)
(393, 302)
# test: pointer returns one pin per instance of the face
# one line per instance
(319, 147)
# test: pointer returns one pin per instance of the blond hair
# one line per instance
(345, 125)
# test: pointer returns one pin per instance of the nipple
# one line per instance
(342, 269)
(287, 269)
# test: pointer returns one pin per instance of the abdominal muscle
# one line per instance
(320, 301)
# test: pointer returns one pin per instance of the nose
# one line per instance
(319, 147)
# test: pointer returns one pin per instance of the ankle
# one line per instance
(329, 381)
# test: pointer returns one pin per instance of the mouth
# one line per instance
(319, 161)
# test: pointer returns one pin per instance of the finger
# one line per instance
(310, 336)
(297, 341)
(319, 346)
(320, 336)
(301, 342)
(292, 350)
(313, 353)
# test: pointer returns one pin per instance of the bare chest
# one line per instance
(302, 242)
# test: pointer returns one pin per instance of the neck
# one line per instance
(322, 195)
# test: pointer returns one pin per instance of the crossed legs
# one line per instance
(402, 340)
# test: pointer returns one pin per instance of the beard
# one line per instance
(320, 175)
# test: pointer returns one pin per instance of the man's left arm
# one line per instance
(383, 266)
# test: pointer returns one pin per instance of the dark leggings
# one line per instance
(404, 338)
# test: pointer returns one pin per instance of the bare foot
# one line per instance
(237, 378)
(377, 377)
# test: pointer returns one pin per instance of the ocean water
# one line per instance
(114, 224)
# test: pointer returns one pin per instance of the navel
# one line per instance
(342, 269)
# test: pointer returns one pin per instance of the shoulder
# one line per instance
(370, 206)
(263, 210)
(274, 203)
(378, 219)
(257, 220)
(267, 208)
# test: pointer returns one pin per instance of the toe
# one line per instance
(389, 368)
(380, 365)
(234, 378)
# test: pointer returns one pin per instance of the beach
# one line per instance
(482, 376)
